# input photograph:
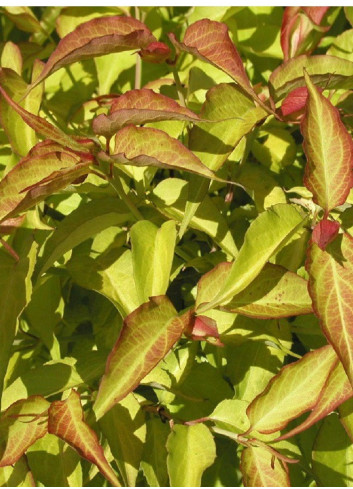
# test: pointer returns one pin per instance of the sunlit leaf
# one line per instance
(154, 457)
(191, 449)
(18, 475)
(330, 275)
(329, 151)
(147, 335)
(295, 390)
(21, 425)
(67, 422)
(261, 469)
(138, 107)
(266, 236)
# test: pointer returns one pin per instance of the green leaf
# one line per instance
(268, 233)
(230, 414)
(154, 457)
(237, 116)
(67, 422)
(11, 57)
(325, 71)
(191, 449)
(261, 469)
(54, 463)
(329, 179)
(84, 222)
(21, 425)
(18, 475)
(152, 257)
(147, 335)
(170, 196)
(125, 429)
(332, 455)
(293, 391)
(275, 293)
(15, 283)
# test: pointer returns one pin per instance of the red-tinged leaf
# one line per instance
(337, 389)
(66, 420)
(209, 41)
(325, 232)
(42, 126)
(156, 52)
(138, 107)
(10, 225)
(294, 103)
(35, 177)
(330, 287)
(260, 468)
(203, 328)
(21, 425)
(147, 335)
(144, 146)
(328, 148)
(301, 31)
(99, 36)
(293, 391)
(325, 71)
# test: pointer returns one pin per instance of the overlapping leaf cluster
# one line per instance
(176, 253)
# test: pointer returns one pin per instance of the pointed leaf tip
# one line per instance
(156, 52)
(325, 232)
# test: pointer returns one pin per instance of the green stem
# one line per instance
(118, 187)
(179, 87)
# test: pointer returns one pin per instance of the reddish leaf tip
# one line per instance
(325, 232)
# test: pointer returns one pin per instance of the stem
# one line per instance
(179, 87)
(10, 250)
(118, 187)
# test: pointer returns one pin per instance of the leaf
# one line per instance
(16, 287)
(293, 391)
(54, 463)
(99, 36)
(111, 275)
(209, 41)
(268, 233)
(138, 107)
(11, 57)
(330, 275)
(21, 425)
(145, 146)
(236, 114)
(39, 124)
(332, 455)
(147, 335)
(191, 449)
(18, 475)
(154, 458)
(337, 389)
(170, 196)
(230, 414)
(82, 223)
(275, 293)
(328, 148)
(125, 429)
(35, 177)
(66, 421)
(23, 18)
(152, 257)
(261, 469)
(325, 71)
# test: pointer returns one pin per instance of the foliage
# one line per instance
(176, 259)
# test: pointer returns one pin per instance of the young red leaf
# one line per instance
(293, 391)
(24, 185)
(21, 425)
(209, 41)
(203, 328)
(144, 146)
(325, 232)
(156, 52)
(328, 148)
(330, 281)
(42, 126)
(147, 335)
(66, 420)
(337, 389)
(138, 107)
(260, 468)
(99, 36)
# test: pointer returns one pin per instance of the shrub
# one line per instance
(176, 258)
